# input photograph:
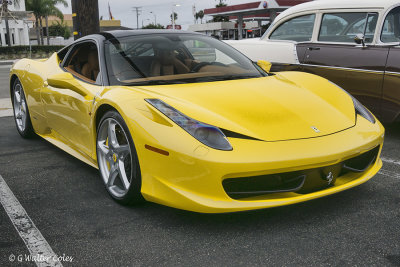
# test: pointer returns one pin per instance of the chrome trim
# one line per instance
(296, 56)
(392, 73)
(343, 68)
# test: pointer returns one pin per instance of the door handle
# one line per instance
(314, 48)
(45, 84)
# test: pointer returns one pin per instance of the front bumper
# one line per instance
(191, 177)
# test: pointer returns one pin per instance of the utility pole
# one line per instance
(155, 17)
(194, 12)
(138, 11)
(85, 17)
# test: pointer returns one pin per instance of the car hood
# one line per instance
(284, 106)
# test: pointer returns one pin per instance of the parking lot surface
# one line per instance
(68, 203)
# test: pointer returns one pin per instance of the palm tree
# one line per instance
(201, 15)
(87, 17)
(36, 6)
(42, 9)
(50, 9)
(5, 10)
(175, 16)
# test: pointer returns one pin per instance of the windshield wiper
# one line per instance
(226, 77)
(158, 82)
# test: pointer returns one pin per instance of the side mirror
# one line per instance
(65, 80)
(264, 65)
(360, 39)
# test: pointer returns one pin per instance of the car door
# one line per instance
(359, 69)
(68, 111)
(280, 46)
(390, 35)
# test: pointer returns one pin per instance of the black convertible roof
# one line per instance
(125, 33)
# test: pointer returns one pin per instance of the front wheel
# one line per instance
(117, 159)
(21, 112)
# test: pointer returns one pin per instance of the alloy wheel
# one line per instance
(114, 157)
(20, 110)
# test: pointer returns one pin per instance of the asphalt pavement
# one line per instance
(68, 203)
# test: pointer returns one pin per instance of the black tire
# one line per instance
(133, 195)
(27, 131)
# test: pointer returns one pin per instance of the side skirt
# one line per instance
(60, 144)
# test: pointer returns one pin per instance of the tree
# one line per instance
(221, 18)
(59, 29)
(50, 9)
(221, 3)
(36, 6)
(87, 17)
(201, 15)
(153, 26)
(175, 17)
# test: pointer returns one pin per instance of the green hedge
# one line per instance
(25, 49)
(22, 51)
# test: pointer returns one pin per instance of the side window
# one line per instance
(298, 29)
(83, 62)
(343, 27)
(391, 27)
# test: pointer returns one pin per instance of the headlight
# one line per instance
(360, 109)
(207, 134)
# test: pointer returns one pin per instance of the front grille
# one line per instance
(301, 182)
(361, 162)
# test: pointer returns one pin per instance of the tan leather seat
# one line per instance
(91, 69)
(167, 64)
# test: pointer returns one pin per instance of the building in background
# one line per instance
(245, 20)
(19, 24)
(105, 25)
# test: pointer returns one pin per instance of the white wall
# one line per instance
(18, 28)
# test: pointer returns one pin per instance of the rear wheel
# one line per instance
(21, 112)
(117, 159)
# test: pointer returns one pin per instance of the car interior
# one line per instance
(154, 61)
(83, 62)
(342, 27)
(391, 27)
(144, 61)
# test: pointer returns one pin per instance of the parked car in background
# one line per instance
(354, 44)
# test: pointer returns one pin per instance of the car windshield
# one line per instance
(170, 58)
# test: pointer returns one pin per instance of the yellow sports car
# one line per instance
(185, 120)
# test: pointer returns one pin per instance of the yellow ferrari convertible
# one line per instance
(187, 121)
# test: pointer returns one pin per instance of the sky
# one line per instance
(123, 10)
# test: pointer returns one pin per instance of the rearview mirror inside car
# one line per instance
(264, 65)
(65, 80)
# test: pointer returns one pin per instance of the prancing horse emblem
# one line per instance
(329, 178)
(315, 129)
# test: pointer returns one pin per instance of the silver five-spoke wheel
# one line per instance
(114, 157)
(20, 107)
(21, 111)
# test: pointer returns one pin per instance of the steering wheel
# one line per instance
(203, 64)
